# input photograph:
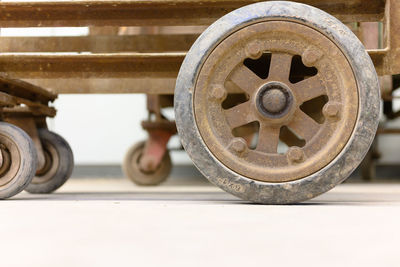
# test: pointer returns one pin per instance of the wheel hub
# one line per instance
(274, 100)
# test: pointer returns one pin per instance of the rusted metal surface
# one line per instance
(23, 111)
(387, 59)
(156, 12)
(99, 43)
(56, 65)
(19, 98)
(159, 130)
(389, 131)
(6, 100)
(26, 106)
(114, 58)
(278, 87)
(369, 35)
(154, 150)
(28, 91)
(392, 19)
(148, 162)
(156, 102)
(108, 85)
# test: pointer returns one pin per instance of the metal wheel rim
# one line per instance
(221, 75)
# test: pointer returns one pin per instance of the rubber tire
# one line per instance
(65, 168)
(326, 178)
(368, 165)
(28, 160)
(133, 172)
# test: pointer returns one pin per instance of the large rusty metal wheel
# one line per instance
(309, 90)
(18, 160)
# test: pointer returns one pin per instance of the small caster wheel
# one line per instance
(58, 166)
(313, 93)
(19, 158)
(135, 174)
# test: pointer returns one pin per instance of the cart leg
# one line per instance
(154, 150)
(149, 163)
(160, 130)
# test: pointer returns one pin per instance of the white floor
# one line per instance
(99, 222)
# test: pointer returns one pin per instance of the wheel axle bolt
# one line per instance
(311, 56)
(295, 154)
(238, 145)
(331, 110)
(274, 101)
(253, 49)
(218, 93)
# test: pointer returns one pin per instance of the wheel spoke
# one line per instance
(280, 67)
(268, 139)
(309, 89)
(247, 80)
(304, 126)
(240, 115)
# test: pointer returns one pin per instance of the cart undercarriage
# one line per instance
(263, 76)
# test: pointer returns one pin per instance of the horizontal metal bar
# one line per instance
(101, 73)
(108, 86)
(30, 107)
(157, 85)
(20, 111)
(157, 12)
(100, 44)
(389, 131)
(54, 65)
(128, 65)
